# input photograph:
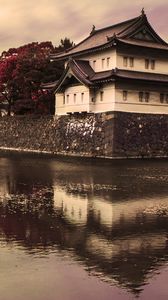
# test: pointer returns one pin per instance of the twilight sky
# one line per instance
(25, 21)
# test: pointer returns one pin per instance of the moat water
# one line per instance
(75, 229)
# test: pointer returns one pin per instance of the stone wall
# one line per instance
(100, 135)
(140, 135)
(83, 135)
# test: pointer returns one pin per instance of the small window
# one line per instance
(74, 98)
(147, 95)
(125, 94)
(103, 60)
(146, 63)
(101, 95)
(67, 99)
(64, 99)
(94, 64)
(166, 98)
(82, 97)
(161, 98)
(125, 61)
(131, 62)
(152, 64)
(140, 96)
(108, 61)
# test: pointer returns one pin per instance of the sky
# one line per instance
(26, 21)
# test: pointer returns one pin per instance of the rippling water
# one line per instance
(83, 229)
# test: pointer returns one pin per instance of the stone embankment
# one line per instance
(94, 135)
(140, 135)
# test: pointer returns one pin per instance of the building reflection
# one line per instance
(73, 208)
(124, 240)
(5, 177)
(113, 232)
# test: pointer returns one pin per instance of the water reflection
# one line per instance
(112, 216)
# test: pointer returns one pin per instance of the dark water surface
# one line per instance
(83, 229)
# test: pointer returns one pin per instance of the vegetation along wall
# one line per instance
(100, 135)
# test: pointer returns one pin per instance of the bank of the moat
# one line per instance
(108, 135)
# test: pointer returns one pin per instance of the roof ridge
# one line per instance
(94, 33)
(133, 24)
(148, 44)
(137, 25)
(76, 64)
(115, 25)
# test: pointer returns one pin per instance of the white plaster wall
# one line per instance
(108, 99)
(132, 103)
(91, 102)
(161, 65)
(71, 106)
(111, 54)
(59, 107)
(112, 101)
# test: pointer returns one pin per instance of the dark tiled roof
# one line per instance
(145, 43)
(102, 75)
(124, 74)
(49, 85)
(98, 37)
(103, 37)
(82, 70)
(83, 66)
(140, 75)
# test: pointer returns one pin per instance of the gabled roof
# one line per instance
(136, 29)
(80, 69)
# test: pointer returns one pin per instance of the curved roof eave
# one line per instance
(78, 74)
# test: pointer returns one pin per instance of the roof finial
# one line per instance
(93, 29)
(143, 11)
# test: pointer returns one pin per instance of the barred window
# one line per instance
(125, 61)
(103, 60)
(152, 64)
(140, 96)
(94, 64)
(125, 94)
(101, 95)
(108, 61)
(146, 96)
(166, 98)
(146, 63)
(131, 61)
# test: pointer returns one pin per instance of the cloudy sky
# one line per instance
(24, 21)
